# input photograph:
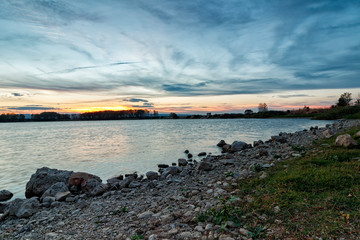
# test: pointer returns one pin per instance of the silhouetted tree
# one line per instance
(173, 116)
(262, 107)
(344, 100)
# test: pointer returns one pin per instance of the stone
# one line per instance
(209, 227)
(279, 139)
(189, 155)
(199, 228)
(182, 162)
(186, 151)
(263, 175)
(5, 195)
(24, 208)
(44, 178)
(345, 141)
(202, 154)
(170, 170)
(151, 175)
(327, 133)
(163, 166)
(227, 162)
(266, 165)
(276, 209)
(226, 148)
(357, 135)
(54, 189)
(205, 166)
(146, 214)
(239, 146)
(258, 143)
(153, 237)
(221, 143)
(134, 184)
(244, 232)
(95, 188)
(61, 196)
(185, 235)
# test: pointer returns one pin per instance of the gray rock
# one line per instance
(170, 170)
(44, 178)
(49, 199)
(146, 214)
(205, 166)
(279, 139)
(327, 133)
(134, 184)
(239, 146)
(221, 143)
(202, 154)
(163, 166)
(345, 141)
(61, 196)
(258, 143)
(152, 175)
(95, 188)
(24, 208)
(182, 162)
(357, 135)
(5, 195)
(54, 189)
(228, 162)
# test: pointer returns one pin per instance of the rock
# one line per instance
(3, 208)
(209, 227)
(61, 196)
(227, 162)
(199, 228)
(146, 214)
(202, 154)
(182, 162)
(205, 166)
(170, 170)
(279, 139)
(5, 195)
(134, 184)
(263, 175)
(226, 148)
(327, 133)
(131, 175)
(357, 135)
(244, 232)
(239, 146)
(45, 178)
(24, 208)
(276, 209)
(186, 151)
(221, 143)
(153, 237)
(54, 189)
(258, 143)
(51, 235)
(189, 155)
(185, 235)
(266, 165)
(263, 152)
(95, 188)
(152, 175)
(345, 141)
(163, 166)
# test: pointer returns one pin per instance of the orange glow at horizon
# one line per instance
(98, 109)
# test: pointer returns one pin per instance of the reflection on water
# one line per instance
(108, 148)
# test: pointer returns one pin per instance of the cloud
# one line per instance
(17, 94)
(70, 70)
(145, 105)
(136, 100)
(294, 95)
(32, 107)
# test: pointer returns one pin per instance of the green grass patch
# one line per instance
(318, 195)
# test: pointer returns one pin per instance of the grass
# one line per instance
(318, 195)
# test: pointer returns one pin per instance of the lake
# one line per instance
(110, 148)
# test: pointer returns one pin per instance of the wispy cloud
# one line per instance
(32, 107)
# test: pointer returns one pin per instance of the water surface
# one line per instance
(109, 148)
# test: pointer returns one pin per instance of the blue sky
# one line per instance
(183, 56)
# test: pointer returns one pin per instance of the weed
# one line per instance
(137, 237)
(122, 209)
(256, 232)
(222, 213)
(298, 148)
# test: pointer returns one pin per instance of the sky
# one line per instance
(191, 56)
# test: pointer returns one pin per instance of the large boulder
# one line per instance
(239, 146)
(221, 143)
(24, 208)
(95, 187)
(345, 141)
(5, 195)
(205, 166)
(54, 189)
(152, 175)
(43, 179)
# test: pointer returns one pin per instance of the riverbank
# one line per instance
(184, 202)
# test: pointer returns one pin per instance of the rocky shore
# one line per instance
(160, 205)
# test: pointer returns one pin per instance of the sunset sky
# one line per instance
(190, 56)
